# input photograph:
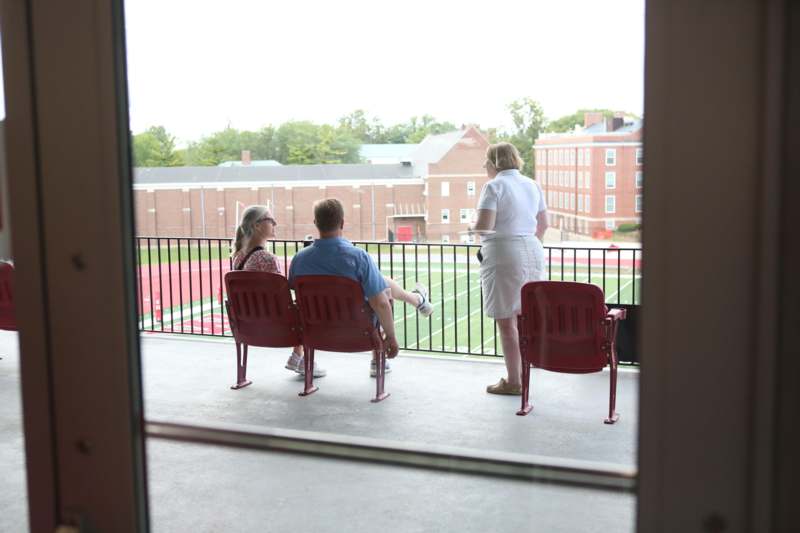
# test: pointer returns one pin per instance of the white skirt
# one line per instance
(508, 264)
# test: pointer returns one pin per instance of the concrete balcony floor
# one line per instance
(435, 400)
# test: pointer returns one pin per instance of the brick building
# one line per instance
(593, 176)
(429, 193)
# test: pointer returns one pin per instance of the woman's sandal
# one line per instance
(503, 387)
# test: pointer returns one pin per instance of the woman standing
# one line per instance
(249, 253)
(513, 206)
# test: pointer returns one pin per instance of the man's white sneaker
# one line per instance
(425, 307)
(373, 368)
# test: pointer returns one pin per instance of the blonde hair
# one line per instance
(250, 218)
(504, 156)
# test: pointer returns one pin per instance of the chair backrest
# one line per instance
(261, 311)
(8, 317)
(561, 326)
(335, 315)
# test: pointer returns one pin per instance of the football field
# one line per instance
(181, 287)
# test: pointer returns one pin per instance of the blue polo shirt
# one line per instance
(338, 257)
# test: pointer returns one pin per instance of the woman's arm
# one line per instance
(486, 219)
(541, 224)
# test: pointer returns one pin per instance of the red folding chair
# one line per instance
(261, 313)
(8, 318)
(337, 318)
(566, 327)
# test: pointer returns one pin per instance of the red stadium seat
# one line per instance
(8, 318)
(337, 318)
(261, 313)
(566, 327)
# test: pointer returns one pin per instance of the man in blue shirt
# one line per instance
(333, 255)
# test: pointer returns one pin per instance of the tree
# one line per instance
(528, 119)
(568, 122)
(155, 148)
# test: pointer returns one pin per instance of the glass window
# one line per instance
(587, 204)
(588, 157)
(639, 179)
(611, 203)
(580, 203)
(610, 224)
(587, 180)
(638, 203)
(580, 178)
(470, 188)
(611, 180)
(572, 201)
(445, 216)
(611, 157)
(463, 215)
(445, 188)
(572, 157)
(639, 156)
(445, 239)
(572, 178)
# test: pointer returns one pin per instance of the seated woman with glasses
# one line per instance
(250, 254)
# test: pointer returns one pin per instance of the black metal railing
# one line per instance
(181, 287)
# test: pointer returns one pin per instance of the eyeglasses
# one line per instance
(267, 219)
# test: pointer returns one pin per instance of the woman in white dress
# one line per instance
(513, 206)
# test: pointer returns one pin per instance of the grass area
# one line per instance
(458, 324)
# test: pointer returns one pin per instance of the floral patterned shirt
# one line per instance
(259, 261)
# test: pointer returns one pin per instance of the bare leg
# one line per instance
(510, 341)
(398, 293)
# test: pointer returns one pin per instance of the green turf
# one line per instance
(457, 325)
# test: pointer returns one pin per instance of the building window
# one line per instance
(445, 216)
(572, 178)
(611, 157)
(445, 188)
(445, 239)
(611, 203)
(580, 157)
(463, 215)
(587, 180)
(580, 178)
(587, 204)
(611, 225)
(638, 203)
(470, 188)
(639, 179)
(611, 180)
(572, 201)
(580, 203)
(588, 157)
(572, 157)
(639, 156)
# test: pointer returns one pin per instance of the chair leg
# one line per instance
(380, 393)
(526, 407)
(241, 367)
(308, 361)
(613, 416)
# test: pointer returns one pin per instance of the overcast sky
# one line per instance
(196, 65)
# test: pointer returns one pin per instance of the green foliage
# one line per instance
(628, 227)
(155, 148)
(370, 130)
(528, 118)
(567, 123)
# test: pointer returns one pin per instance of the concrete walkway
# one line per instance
(434, 400)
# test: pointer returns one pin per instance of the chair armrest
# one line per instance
(616, 314)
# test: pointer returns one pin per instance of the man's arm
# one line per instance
(383, 310)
